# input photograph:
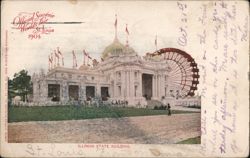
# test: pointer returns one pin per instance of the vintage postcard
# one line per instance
(124, 78)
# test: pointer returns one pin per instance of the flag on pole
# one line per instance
(85, 53)
(90, 57)
(74, 59)
(127, 29)
(115, 27)
(84, 56)
(115, 20)
(58, 58)
(60, 53)
(49, 62)
(51, 57)
(95, 62)
(156, 42)
(127, 34)
(56, 55)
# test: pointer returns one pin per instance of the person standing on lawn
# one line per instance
(169, 109)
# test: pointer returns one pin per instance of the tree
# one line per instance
(21, 84)
(11, 92)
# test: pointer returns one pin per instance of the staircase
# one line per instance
(152, 103)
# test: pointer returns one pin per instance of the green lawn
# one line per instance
(53, 113)
(196, 140)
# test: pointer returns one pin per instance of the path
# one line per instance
(160, 129)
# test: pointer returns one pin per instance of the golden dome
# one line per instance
(116, 49)
(113, 49)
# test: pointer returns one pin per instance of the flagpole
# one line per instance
(127, 34)
(58, 56)
(51, 55)
(60, 53)
(54, 59)
(88, 60)
(58, 63)
(115, 26)
(62, 62)
(49, 64)
(84, 56)
(73, 59)
(156, 42)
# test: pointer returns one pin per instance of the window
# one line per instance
(90, 92)
(73, 92)
(119, 91)
(54, 92)
(135, 90)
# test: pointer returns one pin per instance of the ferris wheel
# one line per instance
(183, 73)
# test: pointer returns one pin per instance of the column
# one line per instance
(82, 92)
(114, 86)
(132, 85)
(123, 79)
(111, 90)
(127, 84)
(98, 90)
(67, 92)
(63, 94)
(157, 86)
(140, 85)
(160, 88)
(162, 85)
(154, 87)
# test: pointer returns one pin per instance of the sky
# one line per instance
(145, 20)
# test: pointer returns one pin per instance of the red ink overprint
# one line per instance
(34, 23)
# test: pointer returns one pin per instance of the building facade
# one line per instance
(122, 76)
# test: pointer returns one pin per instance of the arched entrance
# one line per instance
(147, 80)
